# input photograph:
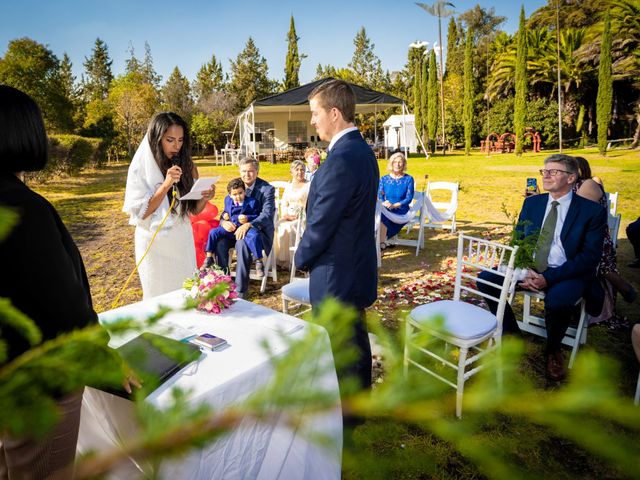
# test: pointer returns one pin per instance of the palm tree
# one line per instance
(541, 62)
(439, 9)
(625, 18)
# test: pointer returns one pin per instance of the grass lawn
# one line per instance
(90, 204)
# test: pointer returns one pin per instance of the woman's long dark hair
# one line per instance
(157, 128)
(584, 169)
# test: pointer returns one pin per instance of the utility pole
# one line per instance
(559, 84)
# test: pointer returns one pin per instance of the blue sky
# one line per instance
(186, 33)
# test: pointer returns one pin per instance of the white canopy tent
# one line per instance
(400, 132)
(283, 120)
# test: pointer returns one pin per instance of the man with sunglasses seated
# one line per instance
(571, 233)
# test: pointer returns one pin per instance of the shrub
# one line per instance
(542, 115)
(68, 154)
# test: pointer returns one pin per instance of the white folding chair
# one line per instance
(300, 224)
(574, 337)
(218, 157)
(417, 221)
(279, 186)
(612, 202)
(297, 290)
(472, 329)
(613, 222)
(446, 209)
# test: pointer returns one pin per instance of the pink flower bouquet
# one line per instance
(212, 289)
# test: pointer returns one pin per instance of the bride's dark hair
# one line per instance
(157, 128)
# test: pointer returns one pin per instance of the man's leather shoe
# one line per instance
(555, 366)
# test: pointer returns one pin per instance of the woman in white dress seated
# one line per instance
(292, 204)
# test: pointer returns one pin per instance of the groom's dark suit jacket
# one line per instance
(582, 238)
(338, 246)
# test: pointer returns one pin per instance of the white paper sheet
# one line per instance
(200, 186)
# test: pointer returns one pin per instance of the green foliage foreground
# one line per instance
(588, 411)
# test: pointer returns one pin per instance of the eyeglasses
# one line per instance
(552, 173)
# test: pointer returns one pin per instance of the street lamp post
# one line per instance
(439, 9)
(386, 142)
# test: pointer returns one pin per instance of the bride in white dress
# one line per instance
(162, 163)
(292, 203)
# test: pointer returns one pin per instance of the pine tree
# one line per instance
(98, 73)
(149, 74)
(604, 99)
(468, 92)
(294, 59)
(520, 106)
(417, 97)
(365, 65)
(249, 80)
(432, 88)
(176, 95)
(132, 65)
(209, 79)
(324, 71)
(67, 79)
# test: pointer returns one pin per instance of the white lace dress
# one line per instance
(172, 256)
(171, 259)
(293, 201)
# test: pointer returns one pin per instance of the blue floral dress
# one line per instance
(396, 190)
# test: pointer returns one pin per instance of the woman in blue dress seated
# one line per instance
(395, 194)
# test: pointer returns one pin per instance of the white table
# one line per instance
(223, 378)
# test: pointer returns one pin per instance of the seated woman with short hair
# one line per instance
(395, 193)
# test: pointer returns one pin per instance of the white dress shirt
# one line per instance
(339, 135)
(557, 255)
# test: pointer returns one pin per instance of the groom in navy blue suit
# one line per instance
(338, 245)
(566, 268)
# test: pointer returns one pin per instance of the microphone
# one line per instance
(175, 161)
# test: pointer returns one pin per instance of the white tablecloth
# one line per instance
(222, 378)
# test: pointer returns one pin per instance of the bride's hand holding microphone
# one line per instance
(173, 176)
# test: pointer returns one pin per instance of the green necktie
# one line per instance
(546, 238)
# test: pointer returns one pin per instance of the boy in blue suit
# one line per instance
(239, 210)
(565, 264)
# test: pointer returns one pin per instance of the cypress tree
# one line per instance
(424, 104)
(520, 107)
(605, 87)
(468, 92)
(417, 96)
(292, 66)
(432, 88)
